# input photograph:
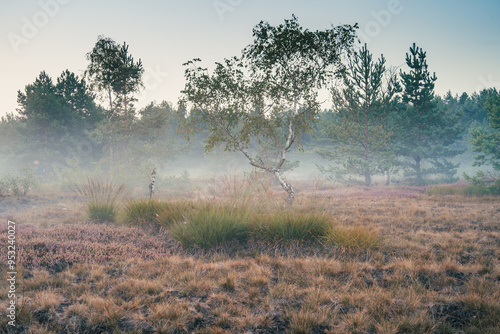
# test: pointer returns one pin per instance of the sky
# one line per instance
(461, 37)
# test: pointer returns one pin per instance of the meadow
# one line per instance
(340, 260)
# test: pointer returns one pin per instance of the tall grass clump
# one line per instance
(151, 211)
(209, 225)
(353, 237)
(290, 226)
(100, 198)
(142, 211)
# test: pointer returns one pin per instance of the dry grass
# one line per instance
(436, 271)
(353, 237)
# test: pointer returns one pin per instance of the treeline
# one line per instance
(263, 103)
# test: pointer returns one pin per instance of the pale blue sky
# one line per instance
(462, 38)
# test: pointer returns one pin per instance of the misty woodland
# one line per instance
(187, 217)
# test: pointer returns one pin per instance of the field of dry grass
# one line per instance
(434, 269)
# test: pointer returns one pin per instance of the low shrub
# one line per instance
(20, 184)
(60, 246)
(290, 226)
(353, 237)
(211, 225)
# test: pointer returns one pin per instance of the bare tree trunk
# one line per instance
(110, 101)
(287, 186)
(152, 182)
(368, 179)
(418, 171)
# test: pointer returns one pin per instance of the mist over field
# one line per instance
(302, 182)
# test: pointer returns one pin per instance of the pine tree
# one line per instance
(427, 127)
(362, 104)
(486, 141)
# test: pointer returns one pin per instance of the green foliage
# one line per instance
(358, 127)
(20, 184)
(427, 127)
(42, 108)
(52, 110)
(101, 212)
(142, 211)
(487, 143)
(268, 96)
(52, 123)
(289, 225)
(353, 237)
(155, 212)
(175, 211)
(211, 225)
(155, 134)
(100, 198)
(112, 70)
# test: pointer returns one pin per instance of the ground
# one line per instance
(436, 270)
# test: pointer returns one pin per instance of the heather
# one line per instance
(421, 264)
(61, 246)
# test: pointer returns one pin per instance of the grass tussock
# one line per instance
(353, 237)
(290, 225)
(208, 224)
(100, 197)
(211, 225)
(151, 211)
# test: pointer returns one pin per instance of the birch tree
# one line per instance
(268, 96)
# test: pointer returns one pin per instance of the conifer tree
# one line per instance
(487, 143)
(427, 128)
(362, 103)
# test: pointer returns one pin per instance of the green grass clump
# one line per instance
(101, 212)
(100, 198)
(142, 211)
(151, 211)
(211, 225)
(353, 237)
(175, 211)
(290, 226)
